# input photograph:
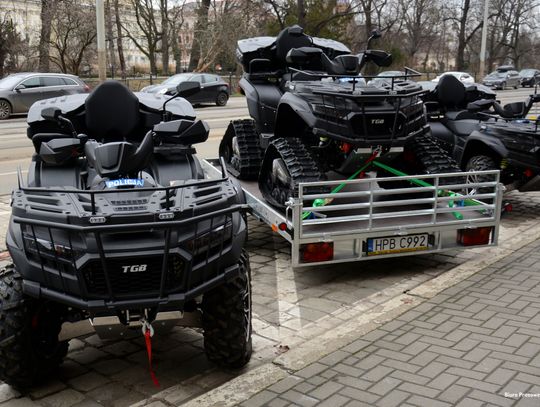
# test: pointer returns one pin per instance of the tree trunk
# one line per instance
(165, 37)
(460, 56)
(200, 28)
(176, 49)
(152, 60)
(301, 13)
(119, 45)
(110, 37)
(45, 34)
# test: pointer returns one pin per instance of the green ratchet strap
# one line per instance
(441, 192)
(323, 202)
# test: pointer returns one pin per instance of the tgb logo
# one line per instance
(136, 268)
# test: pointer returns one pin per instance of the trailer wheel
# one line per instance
(227, 320)
(29, 328)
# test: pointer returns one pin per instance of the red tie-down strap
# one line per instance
(148, 332)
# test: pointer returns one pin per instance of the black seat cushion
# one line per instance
(112, 112)
(289, 38)
(462, 115)
(451, 92)
(462, 127)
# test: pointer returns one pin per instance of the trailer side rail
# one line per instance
(441, 208)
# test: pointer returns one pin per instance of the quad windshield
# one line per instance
(176, 79)
(10, 81)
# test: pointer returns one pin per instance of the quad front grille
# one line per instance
(133, 276)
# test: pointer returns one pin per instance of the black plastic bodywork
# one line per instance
(512, 143)
(134, 227)
(319, 100)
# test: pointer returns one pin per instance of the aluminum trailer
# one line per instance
(373, 218)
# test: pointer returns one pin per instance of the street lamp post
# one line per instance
(482, 69)
(100, 28)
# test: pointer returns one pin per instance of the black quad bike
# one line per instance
(313, 114)
(480, 134)
(117, 224)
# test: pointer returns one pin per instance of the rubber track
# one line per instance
(300, 164)
(433, 158)
(249, 163)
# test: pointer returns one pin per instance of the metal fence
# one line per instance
(136, 83)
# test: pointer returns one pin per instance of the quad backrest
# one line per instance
(112, 112)
(289, 38)
(451, 92)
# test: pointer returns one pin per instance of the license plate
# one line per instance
(397, 244)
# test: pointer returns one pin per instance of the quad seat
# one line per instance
(112, 113)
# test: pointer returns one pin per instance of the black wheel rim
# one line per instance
(4, 109)
(222, 99)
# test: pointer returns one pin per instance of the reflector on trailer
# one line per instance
(316, 252)
(474, 237)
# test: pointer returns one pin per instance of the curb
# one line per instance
(247, 385)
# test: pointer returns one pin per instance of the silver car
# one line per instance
(503, 77)
(19, 91)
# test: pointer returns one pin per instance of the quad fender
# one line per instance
(479, 143)
(262, 100)
(294, 116)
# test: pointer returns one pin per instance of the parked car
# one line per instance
(464, 77)
(529, 77)
(19, 91)
(502, 77)
(385, 78)
(213, 88)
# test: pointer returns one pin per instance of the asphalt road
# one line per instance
(16, 149)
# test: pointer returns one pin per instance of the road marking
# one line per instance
(12, 173)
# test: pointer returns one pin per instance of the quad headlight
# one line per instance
(45, 248)
(214, 238)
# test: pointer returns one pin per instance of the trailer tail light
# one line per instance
(474, 237)
(316, 252)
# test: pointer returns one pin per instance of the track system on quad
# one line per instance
(287, 163)
(431, 158)
(241, 149)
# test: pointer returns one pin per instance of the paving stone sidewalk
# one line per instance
(474, 344)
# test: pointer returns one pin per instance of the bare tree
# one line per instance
(47, 11)
(146, 35)
(10, 45)
(119, 38)
(176, 22)
(420, 21)
(200, 31)
(110, 36)
(72, 35)
(164, 9)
